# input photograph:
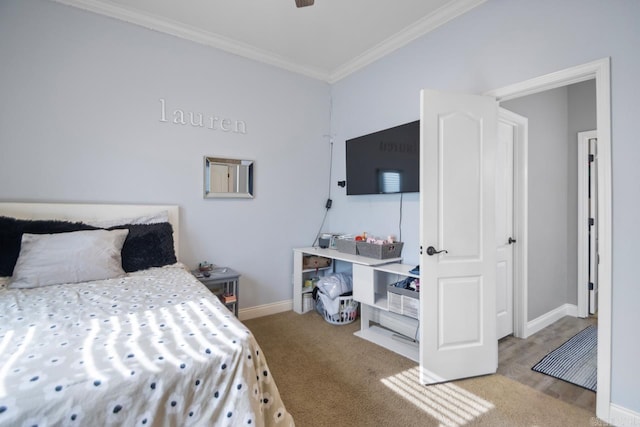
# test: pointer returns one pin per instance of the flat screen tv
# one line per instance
(384, 162)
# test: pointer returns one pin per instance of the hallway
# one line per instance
(517, 356)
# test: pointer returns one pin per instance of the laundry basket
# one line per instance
(347, 313)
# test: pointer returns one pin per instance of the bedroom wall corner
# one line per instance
(88, 114)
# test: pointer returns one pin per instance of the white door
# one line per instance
(593, 229)
(587, 223)
(504, 225)
(457, 215)
(219, 178)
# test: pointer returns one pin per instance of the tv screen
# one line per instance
(383, 162)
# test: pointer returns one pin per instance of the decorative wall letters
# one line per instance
(179, 116)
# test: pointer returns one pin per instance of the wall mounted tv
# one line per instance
(384, 162)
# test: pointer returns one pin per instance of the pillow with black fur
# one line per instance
(147, 245)
(11, 230)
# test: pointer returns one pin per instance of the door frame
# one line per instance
(600, 71)
(583, 221)
(520, 218)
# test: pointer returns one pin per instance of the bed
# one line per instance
(150, 347)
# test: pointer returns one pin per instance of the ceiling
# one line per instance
(327, 41)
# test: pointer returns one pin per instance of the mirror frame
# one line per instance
(245, 193)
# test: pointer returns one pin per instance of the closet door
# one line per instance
(457, 232)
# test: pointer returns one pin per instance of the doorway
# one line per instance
(598, 70)
(550, 121)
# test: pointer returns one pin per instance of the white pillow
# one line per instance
(78, 256)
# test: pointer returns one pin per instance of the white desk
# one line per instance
(300, 274)
(370, 278)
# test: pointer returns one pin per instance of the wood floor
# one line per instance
(517, 356)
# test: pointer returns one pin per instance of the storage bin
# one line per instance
(403, 301)
(347, 314)
(347, 246)
(313, 261)
(307, 302)
(384, 251)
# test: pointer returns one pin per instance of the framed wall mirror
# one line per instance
(228, 178)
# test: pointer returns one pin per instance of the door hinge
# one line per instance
(590, 286)
(592, 222)
(591, 158)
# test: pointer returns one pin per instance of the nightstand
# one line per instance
(224, 282)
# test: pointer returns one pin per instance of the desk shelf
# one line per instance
(345, 261)
(378, 324)
(370, 279)
(370, 282)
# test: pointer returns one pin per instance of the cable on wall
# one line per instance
(329, 201)
(400, 220)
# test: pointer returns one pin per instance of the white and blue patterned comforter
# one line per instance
(153, 348)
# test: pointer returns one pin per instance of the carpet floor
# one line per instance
(329, 377)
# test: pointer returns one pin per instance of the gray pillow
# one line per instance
(78, 256)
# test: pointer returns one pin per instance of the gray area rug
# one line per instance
(575, 361)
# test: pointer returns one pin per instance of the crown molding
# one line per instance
(425, 25)
(178, 29)
(429, 23)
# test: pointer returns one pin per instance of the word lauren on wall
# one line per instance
(179, 116)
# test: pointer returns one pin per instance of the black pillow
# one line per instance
(11, 230)
(147, 245)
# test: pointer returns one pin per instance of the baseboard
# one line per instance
(622, 417)
(550, 318)
(265, 310)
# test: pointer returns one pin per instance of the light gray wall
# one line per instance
(547, 113)
(79, 121)
(496, 44)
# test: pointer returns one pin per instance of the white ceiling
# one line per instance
(328, 40)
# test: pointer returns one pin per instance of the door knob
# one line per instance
(511, 240)
(432, 251)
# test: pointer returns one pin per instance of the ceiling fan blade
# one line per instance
(303, 3)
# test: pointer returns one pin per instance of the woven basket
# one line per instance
(347, 246)
(387, 250)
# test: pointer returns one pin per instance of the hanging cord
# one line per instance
(321, 225)
(400, 220)
(328, 203)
